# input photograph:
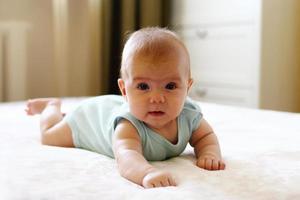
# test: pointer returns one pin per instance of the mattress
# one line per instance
(261, 149)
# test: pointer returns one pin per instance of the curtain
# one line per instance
(119, 18)
(67, 47)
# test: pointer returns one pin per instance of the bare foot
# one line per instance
(36, 106)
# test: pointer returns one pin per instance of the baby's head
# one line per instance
(153, 43)
(155, 75)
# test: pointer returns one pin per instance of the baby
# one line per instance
(153, 120)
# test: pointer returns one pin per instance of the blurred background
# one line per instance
(243, 52)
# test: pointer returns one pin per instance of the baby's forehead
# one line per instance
(167, 66)
(157, 47)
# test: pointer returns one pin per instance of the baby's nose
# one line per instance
(157, 97)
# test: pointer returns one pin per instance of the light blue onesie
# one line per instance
(94, 120)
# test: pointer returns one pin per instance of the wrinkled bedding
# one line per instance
(261, 149)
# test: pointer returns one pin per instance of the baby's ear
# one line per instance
(122, 87)
(190, 83)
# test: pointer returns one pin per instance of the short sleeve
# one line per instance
(134, 121)
(193, 114)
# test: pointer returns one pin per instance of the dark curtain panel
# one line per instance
(125, 17)
(116, 45)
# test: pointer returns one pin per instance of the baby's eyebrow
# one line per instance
(170, 79)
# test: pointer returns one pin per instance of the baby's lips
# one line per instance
(156, 113)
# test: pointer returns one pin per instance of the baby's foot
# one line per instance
(36, 106)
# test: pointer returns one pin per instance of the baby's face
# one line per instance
(156, 88)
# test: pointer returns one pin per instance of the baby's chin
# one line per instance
(159, 124)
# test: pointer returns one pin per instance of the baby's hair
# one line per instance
(149, 41)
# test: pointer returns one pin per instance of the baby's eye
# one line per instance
(171, 86)
(143, 86)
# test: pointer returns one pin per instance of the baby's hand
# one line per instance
(210, 162)
(158, 178)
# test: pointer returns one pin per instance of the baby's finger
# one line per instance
(148, 185)
(158, 184)
(171, 182)
(215, 164)
(208, 164)
(221, 165)
(165, 183)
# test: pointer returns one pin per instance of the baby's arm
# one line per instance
(131, 163)
(206, 147)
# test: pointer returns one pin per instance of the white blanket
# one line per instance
(261, 150)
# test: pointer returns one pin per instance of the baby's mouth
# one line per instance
(156, 113)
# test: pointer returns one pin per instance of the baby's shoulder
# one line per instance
(191, 114)
(191, 106)
(126, 130)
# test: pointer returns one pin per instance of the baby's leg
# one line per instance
(54, 131)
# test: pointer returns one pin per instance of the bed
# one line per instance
(261, 149)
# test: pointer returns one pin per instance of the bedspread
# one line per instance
(261, 149)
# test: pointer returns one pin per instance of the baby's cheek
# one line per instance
(137, 113)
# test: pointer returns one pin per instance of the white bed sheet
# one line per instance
(261, 150)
